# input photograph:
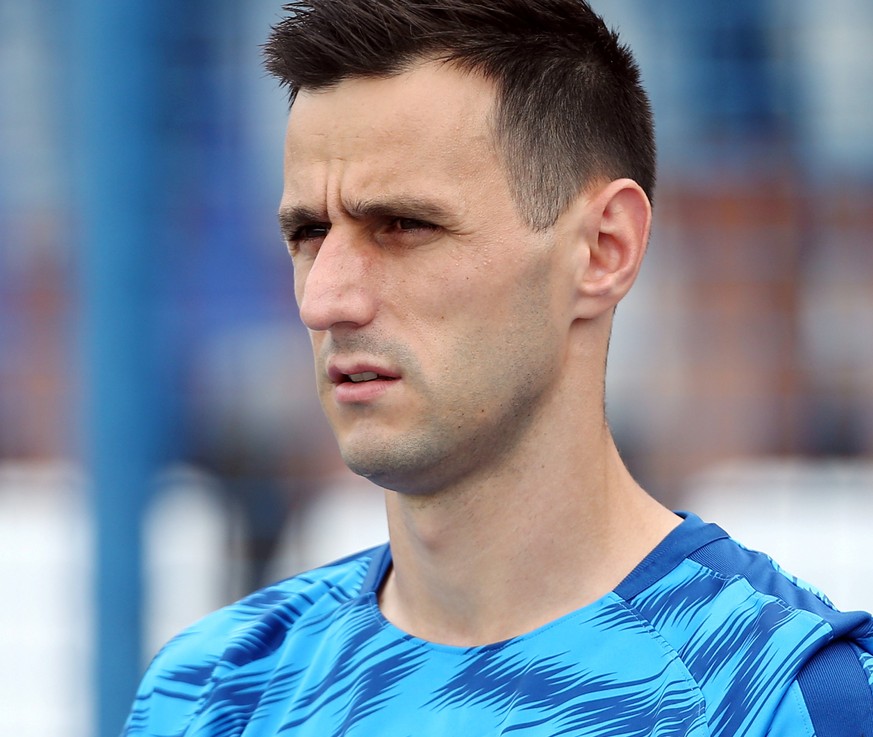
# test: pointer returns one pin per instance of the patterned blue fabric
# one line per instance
(703, 638)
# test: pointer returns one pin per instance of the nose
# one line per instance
(337, 285)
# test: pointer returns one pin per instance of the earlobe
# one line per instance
(616, 232)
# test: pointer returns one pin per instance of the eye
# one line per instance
(406, 233)
(312, 231)
(306, 238)
(406, 224)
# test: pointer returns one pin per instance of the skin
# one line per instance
(486, 423)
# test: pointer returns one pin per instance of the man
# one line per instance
(467, 198)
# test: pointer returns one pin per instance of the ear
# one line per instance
(613, 230)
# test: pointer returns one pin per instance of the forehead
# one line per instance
(432, 121)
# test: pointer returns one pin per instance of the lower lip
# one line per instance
(350, 392)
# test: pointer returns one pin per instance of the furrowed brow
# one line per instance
(291, 217)
(407, 207)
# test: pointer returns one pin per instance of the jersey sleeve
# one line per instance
(831, 697)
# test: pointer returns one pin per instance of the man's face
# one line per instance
(437, 317)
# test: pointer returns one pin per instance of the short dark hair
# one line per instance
(570, 107)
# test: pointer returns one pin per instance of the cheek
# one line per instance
(299, 283)
(509, 328)
(299, 280)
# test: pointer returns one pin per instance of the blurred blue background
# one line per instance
(160, 449)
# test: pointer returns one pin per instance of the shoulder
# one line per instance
(754, 577)
(318, 591)
(248, 633)
(710, 581)
(757, 642)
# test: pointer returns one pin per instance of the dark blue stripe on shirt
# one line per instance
(837, 693)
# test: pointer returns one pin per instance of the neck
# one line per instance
(507, 554)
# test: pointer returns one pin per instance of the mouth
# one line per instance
(359, 374)
(360, 378)
(362, 385)
(364, 377)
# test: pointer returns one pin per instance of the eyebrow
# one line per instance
(291, 217)
(412, 207)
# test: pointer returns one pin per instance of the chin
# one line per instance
(395, 471)
(409, 460)
(378, 470)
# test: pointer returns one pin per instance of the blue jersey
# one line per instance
(703, 638)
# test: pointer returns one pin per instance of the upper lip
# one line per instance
(338, 371)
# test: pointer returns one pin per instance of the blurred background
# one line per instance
(160, 450)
